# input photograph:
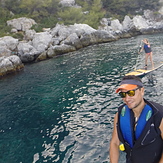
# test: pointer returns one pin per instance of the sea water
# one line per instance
(62, 110)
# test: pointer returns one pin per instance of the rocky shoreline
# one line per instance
(64, 39)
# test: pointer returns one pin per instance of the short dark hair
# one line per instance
(131, 77)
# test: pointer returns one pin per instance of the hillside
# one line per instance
(47, 13)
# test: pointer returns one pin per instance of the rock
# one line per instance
(6, 66)
(42, 56)
(100, 36)
(116, 25)
(129, 29)
(27, 52)
(142, 25)
(3, 49)
(147, 30)
(73, 40)
(149, 15)
(60, 49)
(51, 52)
(61, 31)
(45, 29)
(161, 10)
(42, 41)
(10, 42)
(77, 35)
(67, 3)
(85, 40)
(146, 24)
(127, 23)
(64, 39)
(13, 30)
(55, 41)
(54, 31)
(81, 29)
(21, 24)
(29, 35)
(17, 63)
(64, 35)
(105, 22)
(8, 45)
(10, 64)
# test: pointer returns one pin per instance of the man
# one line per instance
(138, 125)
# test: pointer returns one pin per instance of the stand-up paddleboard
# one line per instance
(142, 72)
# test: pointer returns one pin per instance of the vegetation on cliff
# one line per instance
(49, 12)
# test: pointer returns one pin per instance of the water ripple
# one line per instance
(62, 110)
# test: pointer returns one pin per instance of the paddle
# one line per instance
(140, 47)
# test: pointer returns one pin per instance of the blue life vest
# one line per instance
(127, 125)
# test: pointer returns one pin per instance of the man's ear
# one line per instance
(142, 91)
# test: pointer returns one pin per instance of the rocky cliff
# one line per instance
(63, 39)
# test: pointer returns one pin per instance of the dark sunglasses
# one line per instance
(130, 93)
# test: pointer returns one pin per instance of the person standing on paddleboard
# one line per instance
(148, 52)
(138, 125)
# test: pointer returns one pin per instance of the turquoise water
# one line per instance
(61, 110)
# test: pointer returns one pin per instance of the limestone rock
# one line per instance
(42, 41)
(10, 42)
(73, 40)
(116, 25)
(42, 56)
(27, 52)
(60, 49)
(29, 34)
(8, 45)
(66, 3)
(21, 24)
(10, 64)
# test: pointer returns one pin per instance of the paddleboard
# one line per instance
(142, 72)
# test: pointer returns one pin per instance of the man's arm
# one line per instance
(161, 128)
(114, 144)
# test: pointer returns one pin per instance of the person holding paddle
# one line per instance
(148, 52)
(138, 125)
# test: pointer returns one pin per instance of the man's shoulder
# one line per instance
(156, 106)
(120, 107)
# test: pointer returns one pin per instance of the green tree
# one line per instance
(13, 6)
(95, 14)
(53, 7)
(36, 8)
(44, 12)
(70, 15)
(47, 12)
(119, 8)
(85, 4)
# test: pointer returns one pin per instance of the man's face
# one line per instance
(134, 101)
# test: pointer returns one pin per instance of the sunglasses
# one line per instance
(131, 93)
